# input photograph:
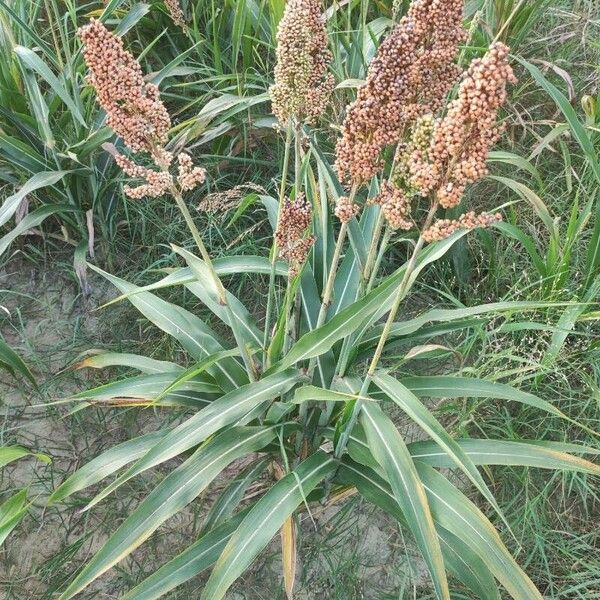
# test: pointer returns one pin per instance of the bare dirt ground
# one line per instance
(351, 551)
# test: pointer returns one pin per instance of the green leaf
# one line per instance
(39, 107)
(195, 371)
(205, 289)
(224, 411)
(442, 315)
(456, 513)
(446, 386)
(461, 561)
(411, 405)
(516, 161)
(364, 311)
(391, 453)
(551, 455)
(190, 331)
(10, 360)
(193, 560)
(32, 220)
(566, 324)
(233, 494)
(11, 513)
(263, 521)
(132, 17)
(226, 265)
(9, 454)
(37, 181)
(312, 393)
(34, 62)
(171, 495)
(104, 465)
(536, 202)
(577, 128)
(123, 359)
(149, 388)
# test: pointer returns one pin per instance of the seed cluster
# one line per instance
(462, 139)
(133, 107)
(176, 13)
(443, 228)
(395, 206)
(346, 209)
(136, 113)
(410, 76)
(189, 176)
(222, 201)
(291, 239)
(302, 85)
(419, 142)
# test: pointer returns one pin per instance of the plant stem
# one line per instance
(373, 247)
(400, 295)
(273, 255)
(328, 290)
(382, 248)
(248, 362)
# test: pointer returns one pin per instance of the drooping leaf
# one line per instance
(391, 453)
(190, 331)
(106, 464)
(226, 410)
(417, 411)
(171, 495)
(460, 560)
(193, 560)
(263, 522)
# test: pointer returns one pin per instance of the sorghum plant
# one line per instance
(296, 399)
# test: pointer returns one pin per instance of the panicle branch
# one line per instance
(302, 85)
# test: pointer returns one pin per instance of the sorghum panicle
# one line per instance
(302, 85)
(136, 113)
(395, 206)
(291, 239)
(189, 176)
(157, 182)
(461, 140)
(176, 13)
(410, 76)
(133, 107)
(346, 209)
(443, 228)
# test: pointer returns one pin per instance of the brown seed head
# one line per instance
(395, 206)
(462, 139)
(302, 85)
(346, 209)
(410, 76)
(444, 228)
(189, 176)
(133, 107)
(290, 236)
(176, 13)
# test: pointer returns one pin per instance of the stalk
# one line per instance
(384, 243)
(328, 291)
(248, 362)
(373, 247)
(400, 295)
(271, 290)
